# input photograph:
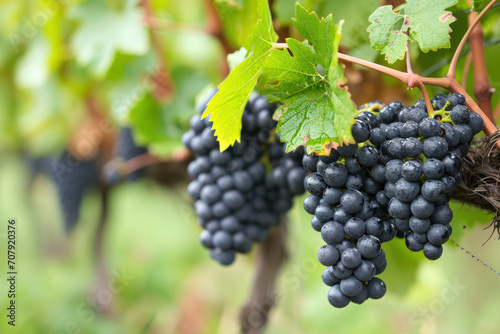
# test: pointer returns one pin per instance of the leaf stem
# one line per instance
(408, 60)
(454, 60)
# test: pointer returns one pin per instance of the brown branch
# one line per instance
(164, 88)
(173, 26)
(270, 258)
(456, 55)
(482, 86)
(102, 276)
(496, 113)
(214, 28)
(415, 80)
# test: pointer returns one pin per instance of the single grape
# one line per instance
(354, 228)
(406, 191)
(347, 150)
(340, 271)
(222, 240)
(361, 298)
(222, 256)
(393, 170)
(417, 115)
(335, 175)
(435, 147)
(476, 123)
(350, 258)
(412, 147)
(369, 246)
(438, 234)
(432, 190)
(377, 136)
(419, 225)
(353, 166)
(328, 255)
(360, 131)
(422, 208)
(332, 195)
(432, 252)
(368, 156)
(354, 182)
(328, 278)
(376, 288)
(411, 170)
(309, 162)
(315, 184)
(433, 168)
(429, 127)
(409, 129)
(442, 214)
(460, 114)
(351, 286)
(398, 209)
(337, 298)
(465, 132)
(332, 232)
(310, 203)
(412, 244)
(352, 201)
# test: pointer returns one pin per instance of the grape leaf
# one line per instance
(478, 5)
(424, 21)
(103, 32)
(226, 107)
(317, 110)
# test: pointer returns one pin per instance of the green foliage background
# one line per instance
(55, 54)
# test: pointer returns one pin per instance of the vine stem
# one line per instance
(482, 86)
(414, 80)
(456, 55)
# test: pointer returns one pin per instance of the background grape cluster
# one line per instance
(396, 180)
(240, 193)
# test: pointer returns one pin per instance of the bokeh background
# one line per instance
(68, 67)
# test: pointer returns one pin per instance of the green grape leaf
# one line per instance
(478, 5)
(226, 107)
(317, 109)
(102, 32)
(236, 58)
(424, 21)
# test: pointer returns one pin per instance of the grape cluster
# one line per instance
(351, 221)
(72, 177)
(395, 180)
(236, 199)
(423, 166)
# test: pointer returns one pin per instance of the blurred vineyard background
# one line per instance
(74, 73)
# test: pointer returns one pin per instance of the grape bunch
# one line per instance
(395, 180)
(236, 200)
(72, 177)
(423, 166)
